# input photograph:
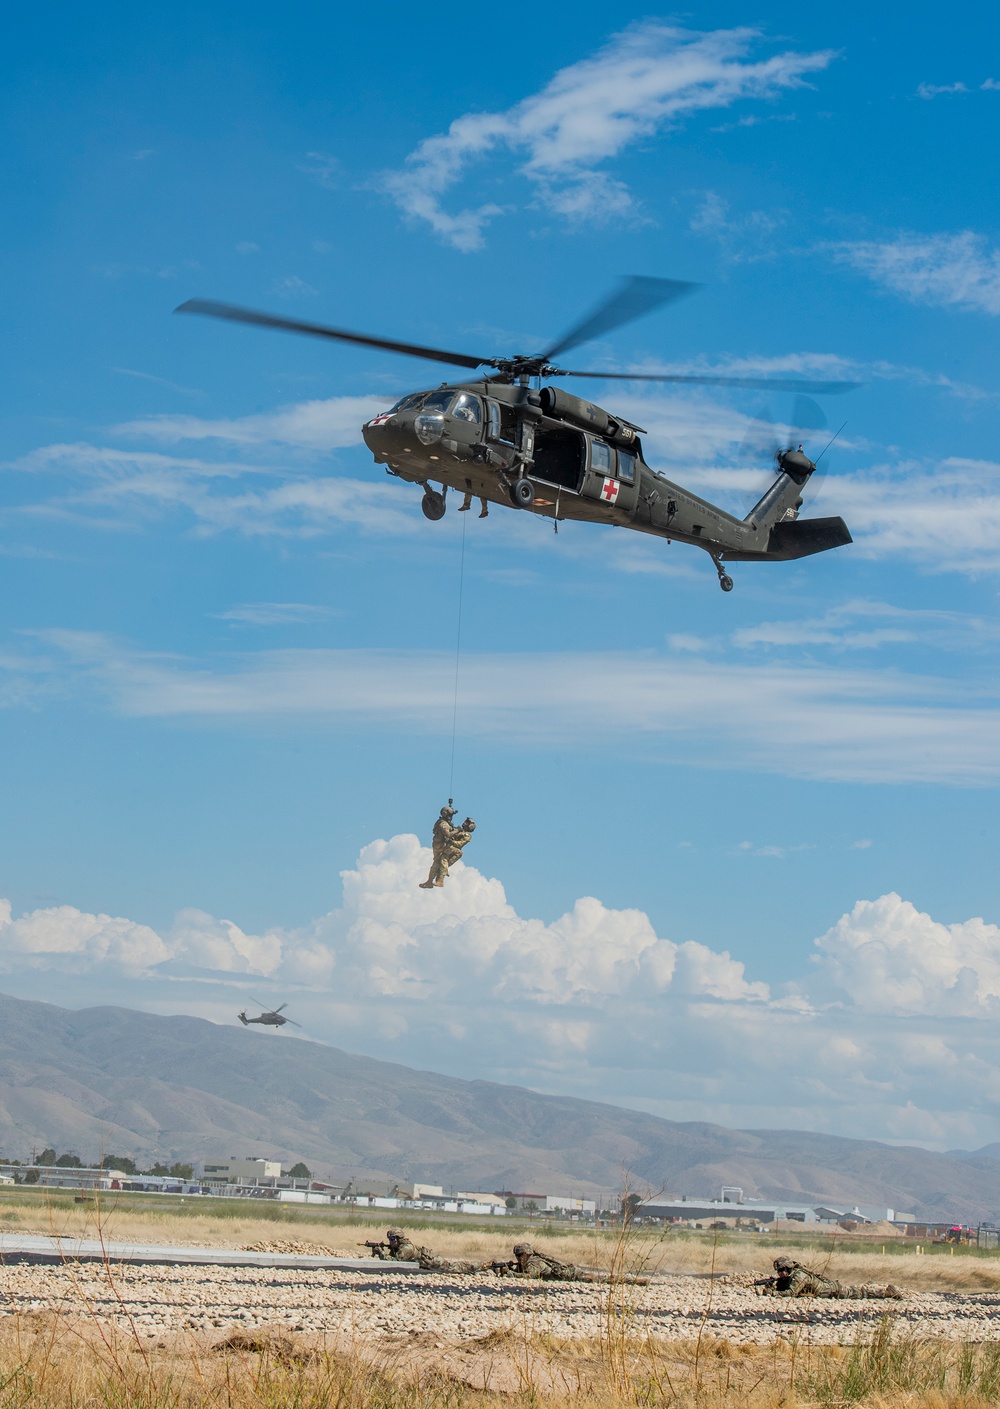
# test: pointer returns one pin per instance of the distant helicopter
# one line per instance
(540, 448)
(268, 1018)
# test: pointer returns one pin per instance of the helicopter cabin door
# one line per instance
(560, 457)
(612, 475)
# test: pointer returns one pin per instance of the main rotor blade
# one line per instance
(235, 314)
(292, 1023)
(636, 295)
(278, 1010)
(773, 383)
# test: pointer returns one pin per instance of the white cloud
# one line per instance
(64, 936)
(944, 517)
(642, 81)
(742, 236)
(886, 956)
(120, 487)
(310, 425)
(275, 613)
(959, 270)
(891, 1034)
(862, 625)
(935, 90)
(803, 720)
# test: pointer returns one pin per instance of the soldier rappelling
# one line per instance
(447, 844)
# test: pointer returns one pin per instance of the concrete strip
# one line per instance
(43, 1249)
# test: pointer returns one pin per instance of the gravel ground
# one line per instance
(445, 1310)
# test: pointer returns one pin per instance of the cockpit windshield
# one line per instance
(438, 401)
(464, 405)
(408, 402)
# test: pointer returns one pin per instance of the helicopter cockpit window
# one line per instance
(466, 408)
(600, 457)
(503, 422)
(408, 402)
(438, 401)
(626, 467)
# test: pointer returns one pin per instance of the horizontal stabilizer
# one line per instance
(798, 538)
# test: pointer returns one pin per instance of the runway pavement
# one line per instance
(45, 1250)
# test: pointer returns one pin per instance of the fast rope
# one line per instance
(458, 657)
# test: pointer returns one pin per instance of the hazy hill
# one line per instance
(114, 1079)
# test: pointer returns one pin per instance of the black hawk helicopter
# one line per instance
(273, 1018)
(506, 438)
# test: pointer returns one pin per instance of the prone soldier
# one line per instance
(398, 1248)
(793, 1279)
(538, 1267)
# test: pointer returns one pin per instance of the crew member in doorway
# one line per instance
(466, 504)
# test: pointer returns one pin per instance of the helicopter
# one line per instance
(268, 1018)
(508, 439)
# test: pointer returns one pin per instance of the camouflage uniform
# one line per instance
(457, 842)
(794, 1280)
(402, 1250)
(538, 1267)
(443, 831)
(466, 504)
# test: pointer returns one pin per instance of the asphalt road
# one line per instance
(43, 1249)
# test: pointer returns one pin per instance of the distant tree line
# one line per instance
(125, 1163)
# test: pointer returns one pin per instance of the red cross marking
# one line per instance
(610, 490)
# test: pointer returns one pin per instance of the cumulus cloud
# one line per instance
(62, 935)
(886, 956)
(891, 1032)
(643, 81)
(959, 270)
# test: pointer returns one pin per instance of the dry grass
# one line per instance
(47, 1362)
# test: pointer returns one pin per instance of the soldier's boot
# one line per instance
(466, 503)
(426, 885)
(484, 512)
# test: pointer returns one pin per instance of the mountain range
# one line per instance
(180, 1088)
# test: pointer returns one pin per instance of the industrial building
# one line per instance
(733, 1207)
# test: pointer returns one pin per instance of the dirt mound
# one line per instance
(275, 1342)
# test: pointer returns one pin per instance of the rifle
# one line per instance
(377, 1248)
(501, 1267)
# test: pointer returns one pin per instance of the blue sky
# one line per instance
(227, 641)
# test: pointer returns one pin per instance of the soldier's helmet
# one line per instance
(523, 1249)
(448, 813)
(783, 1264)
(394, 1235)
(468, 825)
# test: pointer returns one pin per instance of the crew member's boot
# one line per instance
(484, 512)
(466, 502)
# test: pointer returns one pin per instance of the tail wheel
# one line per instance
(726, 582)
(432, 505)
(522, 492)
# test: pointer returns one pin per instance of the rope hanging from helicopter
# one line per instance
(458, 659)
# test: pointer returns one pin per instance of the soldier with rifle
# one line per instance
(538, 1266)
(792, 1279)
(398, 1248)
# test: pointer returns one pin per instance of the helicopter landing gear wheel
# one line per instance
(725, 581)
(522, 493)
(433, 505)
